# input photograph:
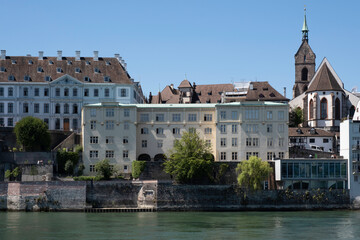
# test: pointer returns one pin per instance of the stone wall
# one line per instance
(36, 172)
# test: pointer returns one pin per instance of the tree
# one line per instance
(190, 160)
(295, 117)
(253, 172)
(103, 169)
(32, 133)
(69, 167)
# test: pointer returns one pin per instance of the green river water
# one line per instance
(181, 225)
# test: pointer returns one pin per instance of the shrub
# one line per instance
(87, 178)
(78, 149)
(103, 169)
(8, 174)
(69, 167)
(137, 168)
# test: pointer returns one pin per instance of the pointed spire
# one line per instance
(305, 28)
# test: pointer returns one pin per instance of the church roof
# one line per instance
(324, 80)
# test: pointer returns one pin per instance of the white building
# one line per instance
(123, 133)
(56, 88)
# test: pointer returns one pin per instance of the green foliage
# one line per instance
(16, 172)
(78, 149)
(137, 168)
(12, 174)
(87, 178)
(81, 169)
(295, 117)
(222, 170)
(103, 169)
(8, 174)
(63, 157)
(69, 167)
(32, 133)
(190, 160)
(252, 173)
(33, 170)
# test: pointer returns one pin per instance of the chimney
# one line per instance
(41, 55)
(116, 55)
(3, 55)
(96, 55)
(284, 91)
(59, 57)
(172, 86)
(77, 55)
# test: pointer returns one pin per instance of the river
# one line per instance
(181, 225)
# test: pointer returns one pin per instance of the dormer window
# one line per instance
(106, 79)
(265, 89)
(272, 95)
(51, 62)
(30, 62)
(69, 62)
(11, 78)
(210, 93)
(39, 69)
(2, 69)
(299, 131)
(27, 78)
(261, 95)
(96, 70)
(87, 62)
(108, 63)
(58, 70)
(47, 78)
(86, 79)
(77, 70)
(13, 61)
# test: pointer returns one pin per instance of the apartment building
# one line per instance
(123, 133)
(56, 88)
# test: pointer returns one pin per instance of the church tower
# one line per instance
(304, 63)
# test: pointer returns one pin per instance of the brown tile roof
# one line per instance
(263, 91)
(185, 84)
(211, 93)
(324, 81)
(22, 68)
(305, 132)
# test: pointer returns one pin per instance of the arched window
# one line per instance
(66, 108)
(352, 111)
(75, 109)
(323, 108)
(144, 157)
(337, 109)
(304, 74)
(57, 108)
(311, 109)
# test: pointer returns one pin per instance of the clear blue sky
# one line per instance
(209, 41)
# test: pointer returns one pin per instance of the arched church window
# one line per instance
(352, 111)
(323, 108)
(311, 109)
(337, 109)
(304, 74)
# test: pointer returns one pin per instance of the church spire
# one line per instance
(305, 29)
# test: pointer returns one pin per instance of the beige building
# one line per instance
(123, 133)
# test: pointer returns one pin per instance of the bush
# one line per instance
(78, 149)
(137, 168)
(103, 169)
(63, 157)
(87, 178)
(69, 167)
(80, 169)
(8, 174)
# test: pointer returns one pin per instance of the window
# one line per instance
(10, 107)
(304, 72)
(86, 92)
(323, 108)
(57, 123)
(251, 114)
(144, 117)
(234, 128)
(312, 140)
(87, 79)
(107, 92)
(96, 92)
(126, 126)
(46, 107)
(94, 154)
(159, 131)
(325, 140)
(47, 78)
(123, 92)
(1, 107)
(234, 115)
(57, 108)
(159, 117)
(248, 155)
(77, 70)
(75, 123)
(222, 115)
(281, 155)
(207, 117)
(252, 128)
(39, 69)
(57, 92)
(66, 92)
(255, 142)
(25, 92)
(160, 143)
(11, 78)
(110, 112)
(96, 70)
(30, 62)
(2, 92)
(93, 112)
(281, 142)
(10, 92)
(126, 112)
(58, 70)
(36, 108)
(1, 122)
(66, 108)
(281, 128)
(109, 125)
(222, 128)
(46, 92)
(92, 168)
(223, 142)
(36, 92)
(109, 139)
(144, 143)
(144, 131)
(248, 142)
(269, 128)
(208, 130)
(270, 142)
(176, 131)
(69, 63)
(10, 122)
(222, 155)
(92, 124)
(176, 117)
(13, 61)
(192, 130)
(75, 109)
(269, 115)
(109, 154)
(269, 155)
(234, 156)
(234, 142)
(281, 115)
(125, 140)
(94, 139)
(192, 117)
(208, 142)
(125, 155)
(107, 79)
(26, 108)
(337, 109)
(87, 62)
(311, 109)
(2, 69)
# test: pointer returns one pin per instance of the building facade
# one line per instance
(235, 131)
(56, 88)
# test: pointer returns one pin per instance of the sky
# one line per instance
(204, 41)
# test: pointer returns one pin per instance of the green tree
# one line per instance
(69, 167)
(295, 117)
(62, 157)
(190, 160)
(32, 133)
(103, 169)
(252, 173)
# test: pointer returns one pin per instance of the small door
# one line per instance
(66, 124)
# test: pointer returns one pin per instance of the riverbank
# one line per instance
(160, 196)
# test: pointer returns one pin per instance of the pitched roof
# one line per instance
(21, 66)
(211, 93)
(306, 132)
(263, 91)
(324, 80)
(185, 84)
